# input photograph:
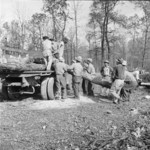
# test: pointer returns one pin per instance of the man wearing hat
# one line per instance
(60, 69)
(87, 85)
(119, 77)
(106, 73)
(77, 70)
(47, 51)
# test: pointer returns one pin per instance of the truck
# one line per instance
(16, 84)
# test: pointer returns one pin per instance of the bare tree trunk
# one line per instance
(64, 27)
(75, 9)
(102, 41)
(106, 29)
(54, 25)
(107, 41)
(95, 43)
(71, 58)
(102, 47)
(145, 46)
(76, 28)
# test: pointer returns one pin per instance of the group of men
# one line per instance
(115, 76)
(53, 54)
(61, 70)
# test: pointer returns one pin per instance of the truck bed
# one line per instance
(25, 73)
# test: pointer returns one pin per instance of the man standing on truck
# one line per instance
(77, 70)
(60, 69)
(47, 51)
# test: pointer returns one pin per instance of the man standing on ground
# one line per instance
(77, 70)
(106, 73)
(47, 52)
(60, 69)
(87, 85)
(119, 77)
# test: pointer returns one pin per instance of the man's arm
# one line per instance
(65, 67)
(45, 61)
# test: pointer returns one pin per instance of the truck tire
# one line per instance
(44, 89)
(50, 89)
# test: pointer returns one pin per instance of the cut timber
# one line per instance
(19, 67)
(145, 84)
(50, 89)
(44, 89)
(130, 81)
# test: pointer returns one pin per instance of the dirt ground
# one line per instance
(33, 124)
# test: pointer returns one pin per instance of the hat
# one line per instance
(89, 60)
(124, 63)
(45, 37)
(61, 59)
(119, 60)
(106, 61)
(79, 58)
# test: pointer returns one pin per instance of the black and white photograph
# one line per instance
(74, 75)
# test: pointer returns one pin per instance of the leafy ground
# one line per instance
(33, 124)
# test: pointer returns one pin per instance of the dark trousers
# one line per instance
(125, 94)
(87, 87)
(127, 90)
(76, 81)
(61, 86)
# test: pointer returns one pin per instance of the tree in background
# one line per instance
(140, 37)
(76, 5)
(38, 22)
(102, 17)
(57, 9)
(12, 37)
(134, 25)
(145, 6)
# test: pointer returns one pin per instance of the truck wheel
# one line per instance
(11, 95)
(44, 89)
(50, 89)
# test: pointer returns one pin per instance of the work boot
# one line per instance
(57, 97)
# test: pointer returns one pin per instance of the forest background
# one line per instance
(96, 29)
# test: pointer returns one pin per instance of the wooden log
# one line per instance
(19, 67)
(145, 84)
